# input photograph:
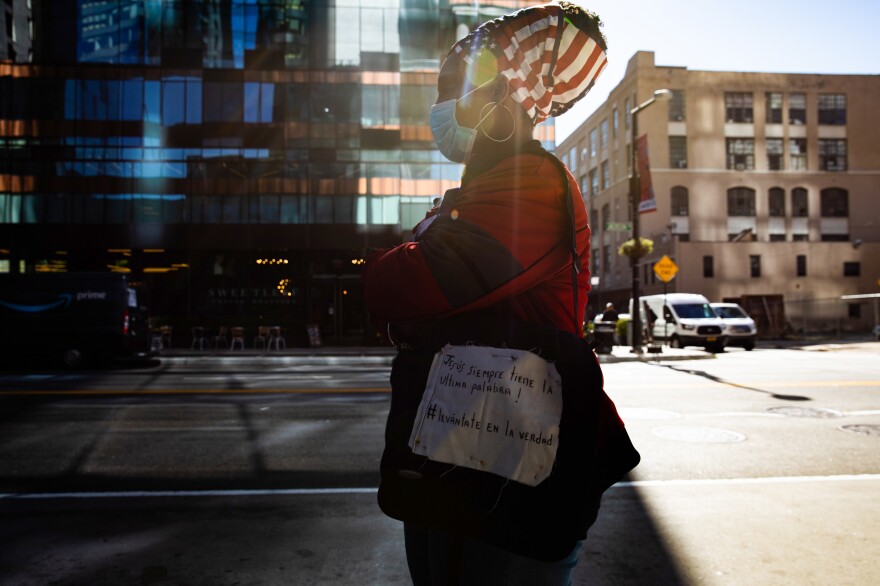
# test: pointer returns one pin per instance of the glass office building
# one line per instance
(237, 158)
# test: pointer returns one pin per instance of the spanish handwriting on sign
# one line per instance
(491, 409)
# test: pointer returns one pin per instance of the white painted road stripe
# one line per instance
(736, 481)
(188, 493)
(332, 491)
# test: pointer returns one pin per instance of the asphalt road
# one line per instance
(758, 468)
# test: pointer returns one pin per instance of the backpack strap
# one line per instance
(575, 257)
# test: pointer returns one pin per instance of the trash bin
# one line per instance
(603, 332)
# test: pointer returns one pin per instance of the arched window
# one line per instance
(776, 214)
(679, 201)
(776, 202)
(799, 206)
(800, 213)
(741, 201)
(835, 203)
(741, 221)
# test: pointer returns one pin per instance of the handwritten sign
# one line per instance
(491, 409)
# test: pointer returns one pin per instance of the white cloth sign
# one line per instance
(491, 409)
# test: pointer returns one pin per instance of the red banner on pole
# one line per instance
(647, 202)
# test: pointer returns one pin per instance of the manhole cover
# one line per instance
(806, 412)
(644, 413)
(709, 435)
(862, 429)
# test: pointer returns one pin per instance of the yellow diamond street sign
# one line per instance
(665, 269)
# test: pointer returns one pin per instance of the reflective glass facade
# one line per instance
(183, 141)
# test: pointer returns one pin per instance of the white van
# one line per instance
(683, 319)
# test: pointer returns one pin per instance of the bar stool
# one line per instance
(237, 338)
(198, 338)
(262, 337)
(276, 340)
(165, 332)
(220, 339)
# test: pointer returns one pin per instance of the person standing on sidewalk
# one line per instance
(610, 314)
(502, 260)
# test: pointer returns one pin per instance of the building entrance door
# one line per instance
(336, 305)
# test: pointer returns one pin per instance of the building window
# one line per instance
(797, 150)
(776, 210)
(223, 101)
(797, 108)
(799, 206)
(708, 267)
(832, 109)
(852, 269)
(676, 106)
(594, 182)
(627, 117)
(678, 152)
(603, 134)
(776, 202)
(755, 265)
(573, 160)
(606, 180)
(615, 117)
(738, 106)
(854, 310)
(775, 154)
(380, 107)
(774, 108)
(679, 200)
(741, 153)
(835, 203)
(799, 214)
(741, 202)
(801, 268)
(259, 100)
(594, 142)
(832, 154)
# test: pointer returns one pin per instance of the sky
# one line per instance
(783, 36)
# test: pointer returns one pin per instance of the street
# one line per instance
(757, 467)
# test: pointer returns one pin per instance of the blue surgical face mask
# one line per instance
(454, 141)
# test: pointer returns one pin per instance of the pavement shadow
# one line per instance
(722, 381)
(625, 547)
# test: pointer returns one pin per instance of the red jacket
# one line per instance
(500, 243)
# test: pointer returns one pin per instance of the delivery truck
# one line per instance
(71, 318)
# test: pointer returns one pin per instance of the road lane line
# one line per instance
(186, 493)
(372, 490)
(761, 384)
(740, 481)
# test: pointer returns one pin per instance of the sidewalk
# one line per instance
(384, 354)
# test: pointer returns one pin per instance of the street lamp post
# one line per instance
(634, 198)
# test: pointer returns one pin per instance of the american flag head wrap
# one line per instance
(550, 61)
